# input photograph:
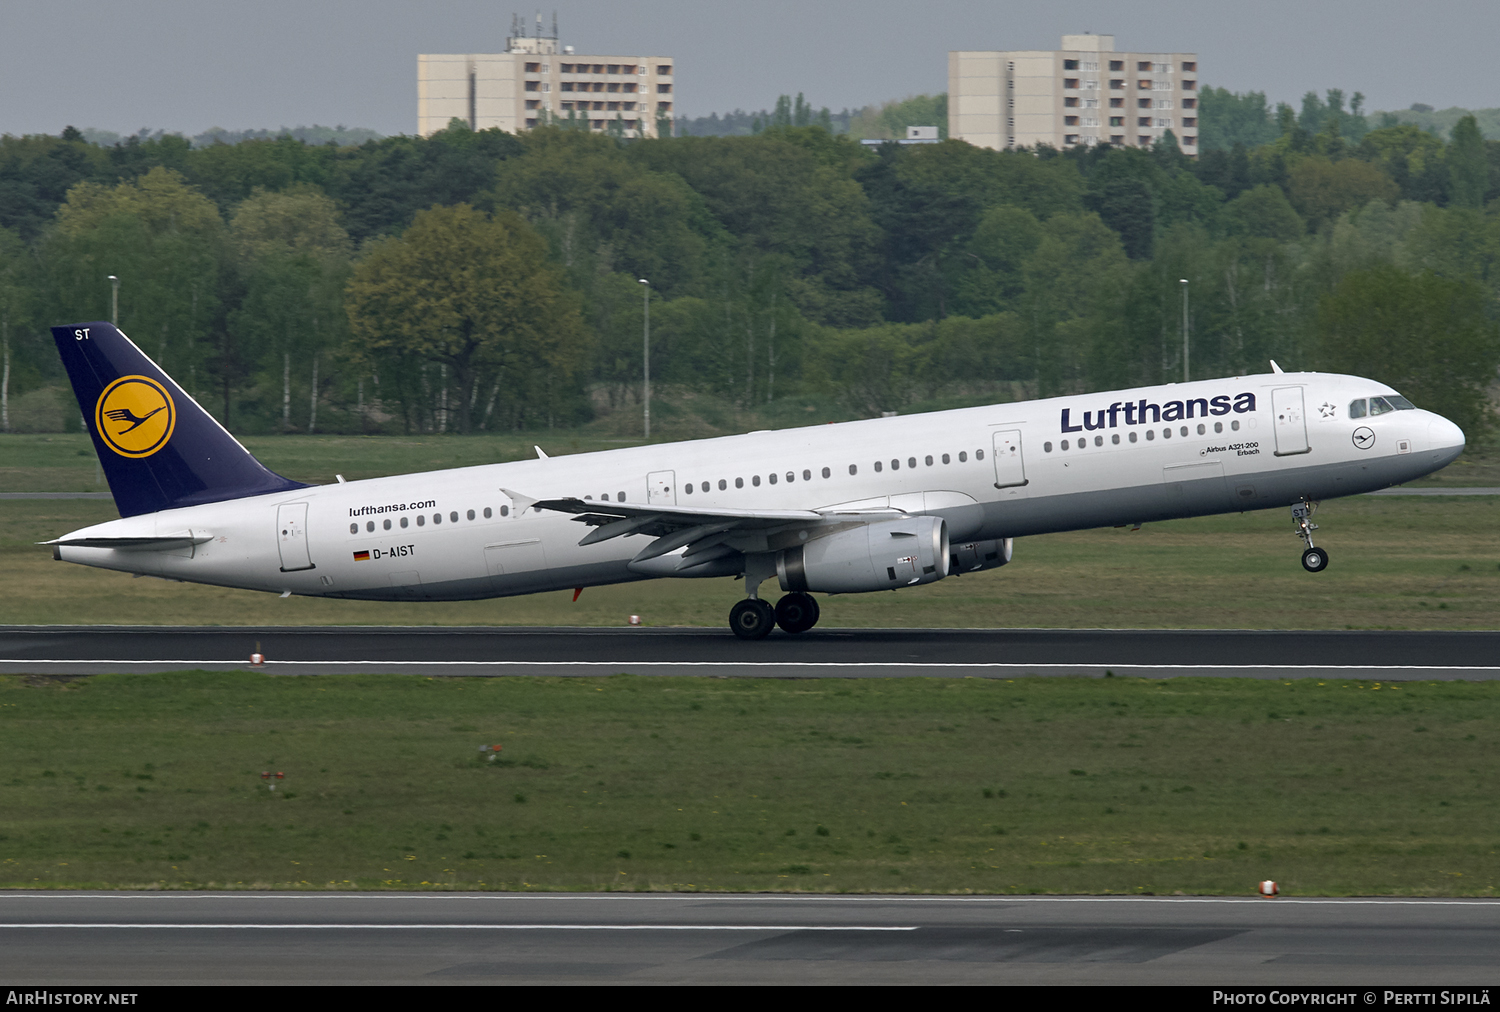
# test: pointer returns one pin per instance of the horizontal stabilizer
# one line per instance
(187, 539)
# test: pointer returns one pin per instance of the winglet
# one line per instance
(539, 454)
(1276, 368)
(522, 502)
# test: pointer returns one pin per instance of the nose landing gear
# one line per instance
(1314, 560)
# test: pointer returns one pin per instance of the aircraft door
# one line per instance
(1291, 421)
(1010, 465)
(291, 524)
(661, 488)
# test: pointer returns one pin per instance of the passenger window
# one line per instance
(1166, 433)
(755, 480)
(1132, 437)
(791, 476)
(854, 469)
(370, 526)
(963, 457)
(453, 516)
(945, 457)
(827, 473)
(723, 484)
(877, 467)
(911, 461)
(1202, 430)
(504, 512)
(437, 518)
(422, 518)
(705, 486)
(688, 488)
(354, 528)
(739, 483)
(928, 460)
(807, 476)
(1098, 440)
(1115, 439)
(1064, 444)
(1183, 431)
(488, 514)
(386, 524)
(1046, 448)
(978, 454)
(621, 496)
(471, 514)
(1218, 426)
(1150, 434)
(1234, 426)
(771, 477)
(1379, 406)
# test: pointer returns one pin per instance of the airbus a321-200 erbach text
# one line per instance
(861, 506)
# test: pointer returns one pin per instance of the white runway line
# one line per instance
(834, 665)
(464, 927)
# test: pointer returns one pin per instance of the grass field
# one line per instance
(1397, 563)
(1030, 785)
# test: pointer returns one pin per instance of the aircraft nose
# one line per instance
(1445, 438)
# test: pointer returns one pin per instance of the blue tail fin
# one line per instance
(159, 449)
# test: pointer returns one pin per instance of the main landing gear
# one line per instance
(1314, 560)
(753, 619)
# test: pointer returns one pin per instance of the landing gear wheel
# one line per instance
(797, 613)
(1315, 560)
(752, 619)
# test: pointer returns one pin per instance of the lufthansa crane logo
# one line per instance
(135, 416)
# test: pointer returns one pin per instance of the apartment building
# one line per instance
(1083, 93)
(536, 81)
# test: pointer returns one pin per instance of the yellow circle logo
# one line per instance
(135, 416)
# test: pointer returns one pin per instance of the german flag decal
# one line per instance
(361, 556)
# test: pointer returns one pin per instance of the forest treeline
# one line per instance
(481, 280)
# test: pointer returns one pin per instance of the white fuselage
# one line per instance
(992, 472)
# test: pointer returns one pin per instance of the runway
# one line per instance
(122, 939)
(830, 653)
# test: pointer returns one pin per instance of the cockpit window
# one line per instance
(1379, 406)
(1400, 403)
(1357, 408)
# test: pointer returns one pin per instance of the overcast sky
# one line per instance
(188, 65)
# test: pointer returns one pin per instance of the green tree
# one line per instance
(1264, 212)
(1321, 190)
(1228, 118)
(293, 257)
(165, 241)
(18, 299)
(1468, 166)
(1427, 336)
(476, 295)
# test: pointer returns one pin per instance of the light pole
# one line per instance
(647, 356)
(114, 300)
(1184, 330)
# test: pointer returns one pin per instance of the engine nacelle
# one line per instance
(972, 556)
(876, 556)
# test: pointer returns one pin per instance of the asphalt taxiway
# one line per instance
(826, 653)
(464, 938)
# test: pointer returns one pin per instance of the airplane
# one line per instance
(846, 508)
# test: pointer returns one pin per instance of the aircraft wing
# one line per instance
(706, 533)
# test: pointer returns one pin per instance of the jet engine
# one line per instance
(876, 556)
(972, 556)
